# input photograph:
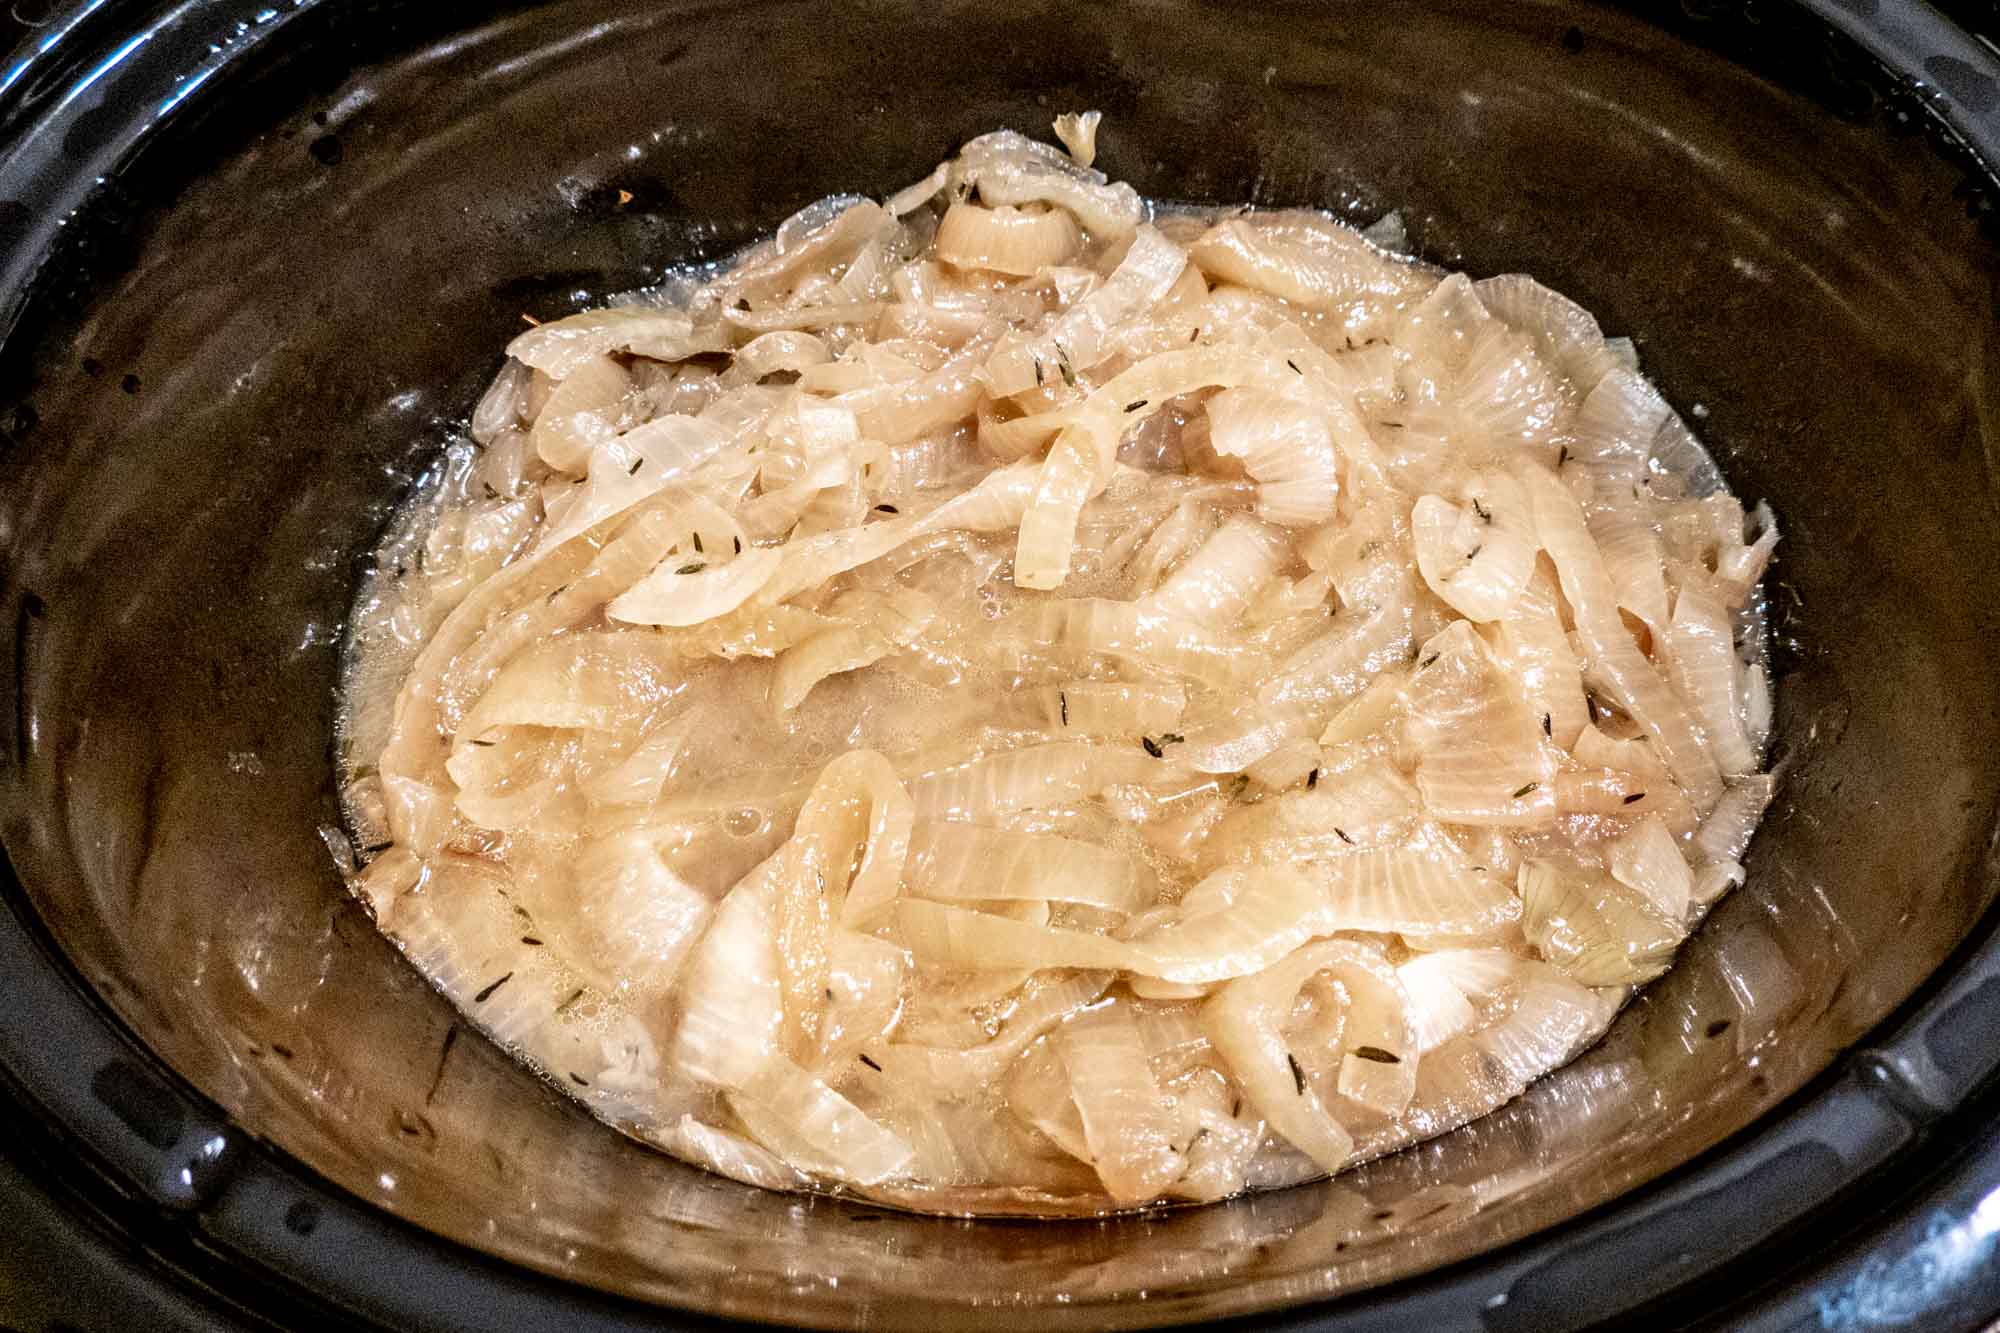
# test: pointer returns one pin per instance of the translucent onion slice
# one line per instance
(858, 807)
(1009, 168)
(731, 994)
(915, 195)
(1368, 805)
(1078, 133)
(1071, 631)
(1635, 756)
(784, 353)
(1566, 335)
(1595, 929)
(1129, 1125)
(1286, 445)
(866, 975)
(1105, 708)
(1222, 1134)
(1270, 913)
(606, 681)
(1077, 341)
(1305, 258)
(1286, 765)
(947, 395)
(1725, 834)
(1006, 240)
(1447, 988)
(810, 1125)
(1215, 584)
(1080, 461)
(1616, 661)
(1553, 1019)
(816, 238)
(1333, 667)
(901, 618)
(1245, 1020)
(1049, 999)
(1618, 422)
(1632, 554)
(585, 410)
(729, 1155)
(1038, 1091)
(691, 592)
(966, 863)
(1700, 654)
(504, 405)
(561, 347)
(1424, 891)
(1367, 713)
(1055, 773)
(629, 469)
(630, 920)
(1481, 759)
(1716, 878)
(1477, 558)
(1647, 859)
(1534, 645)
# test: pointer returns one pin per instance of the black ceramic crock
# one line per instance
(255, 260)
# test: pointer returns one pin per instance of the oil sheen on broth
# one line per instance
(1013, 700)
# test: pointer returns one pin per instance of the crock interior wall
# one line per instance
(272, 319)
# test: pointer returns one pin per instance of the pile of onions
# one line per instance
(1002, 701)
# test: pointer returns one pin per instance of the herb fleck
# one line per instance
(633, 471)
(1427, 661)
(574, 996)
(1524, 789)
(1341, 833)
(1135, 405)
(581, 1081)
(1298, 1074)
(1039, 373)
(1152, 746)
(1635, 797)
(1172, 738)
(1062, 701)
(1378, 1055)
(697, 544)
(1063, 364)
(739, 544)
(1562, 458)
(1548, 726)
(1294, 365)
(375, 848)
(695, 568)
(482, 744)
(870, 1063)
(492, 986)
(1312, 779)
(1480, 509)
(531, 941)
(887, 509)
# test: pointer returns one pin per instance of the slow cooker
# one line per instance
(257, 257)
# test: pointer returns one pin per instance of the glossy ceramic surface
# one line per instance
(317, 224)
